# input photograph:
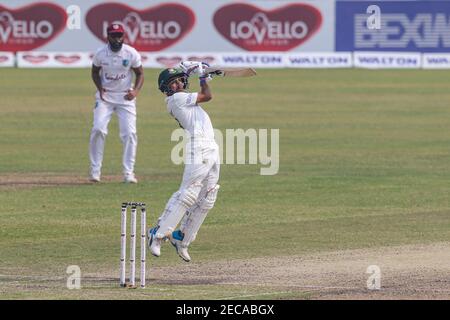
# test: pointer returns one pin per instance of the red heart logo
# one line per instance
(3, 59)
(208, 59)
(67, 59)
(35, 59)
(150, 29)
(255, 29)
(169, 62)
(31, 26)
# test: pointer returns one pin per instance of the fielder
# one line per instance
(112, 72)
(198, 190)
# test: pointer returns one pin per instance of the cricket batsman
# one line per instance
(112, 72)
(198, 189)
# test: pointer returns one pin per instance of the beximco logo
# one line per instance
(256, 29)
(150, 29)
(31, 26)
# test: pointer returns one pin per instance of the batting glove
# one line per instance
(193, 67)
(204, 79)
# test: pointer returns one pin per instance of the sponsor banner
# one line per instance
(175, 26)
(170, 60)
(371, 60)
(387, 60)
(153, 60)
(7, 59)
(435, 61)
(37, 59)
(410, 26)
(319, 60)
(254, 28)
(256, 60)
(30, 26)
(84, 59)
(148, 29)
(211, 58)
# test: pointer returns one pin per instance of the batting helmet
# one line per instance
(167, 75)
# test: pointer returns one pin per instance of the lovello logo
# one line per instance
(150, 29)
(31, 26)
(256, 29)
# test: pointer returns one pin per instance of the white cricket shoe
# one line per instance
(181, 250)
(94, 178)
(130, 178)
(154, 243)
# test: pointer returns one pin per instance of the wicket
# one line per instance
(123, 244)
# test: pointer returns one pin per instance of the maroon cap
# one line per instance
(115, 28)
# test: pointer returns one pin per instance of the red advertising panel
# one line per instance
(31, 26)
(150, 29)
(279, 29)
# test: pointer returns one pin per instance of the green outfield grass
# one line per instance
(364, 163)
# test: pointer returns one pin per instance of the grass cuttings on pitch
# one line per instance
(364, 163)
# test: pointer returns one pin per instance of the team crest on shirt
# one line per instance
(125, 62)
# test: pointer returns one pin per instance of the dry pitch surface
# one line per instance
(407, 272)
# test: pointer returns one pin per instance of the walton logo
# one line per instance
(255, 29)
(150, 29)
(31, 26)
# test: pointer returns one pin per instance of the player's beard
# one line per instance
(115, 45)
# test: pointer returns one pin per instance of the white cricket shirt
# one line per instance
(116, 73)
(184, 108)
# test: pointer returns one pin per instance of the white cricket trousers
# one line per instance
(196, 195)
(126, 115)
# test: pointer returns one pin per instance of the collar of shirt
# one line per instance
(112, 53)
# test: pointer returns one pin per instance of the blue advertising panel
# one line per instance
(415, 26)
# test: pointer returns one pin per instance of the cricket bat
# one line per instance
(231, 72)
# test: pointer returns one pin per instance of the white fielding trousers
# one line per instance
(126, 115)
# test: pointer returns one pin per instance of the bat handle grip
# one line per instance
(216, 73)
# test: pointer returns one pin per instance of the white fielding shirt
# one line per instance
(116, 73)
(191, 117)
